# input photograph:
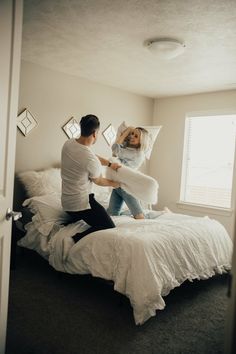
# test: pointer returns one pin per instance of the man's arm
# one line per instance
(107, 163)
(104, 182)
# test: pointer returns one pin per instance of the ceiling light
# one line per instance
(166, 48)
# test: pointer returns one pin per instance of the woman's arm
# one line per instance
(123, 136)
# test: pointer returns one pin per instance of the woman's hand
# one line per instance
(124, 135)
(129, 130)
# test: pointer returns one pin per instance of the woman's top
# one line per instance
(128, 156)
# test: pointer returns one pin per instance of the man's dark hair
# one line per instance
(89, 124)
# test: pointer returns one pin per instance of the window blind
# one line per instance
(208, 160)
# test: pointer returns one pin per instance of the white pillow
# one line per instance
(102, 194)
(42, 182)
(153, 132)
(136, 183)
(120, 129)
(47, 211)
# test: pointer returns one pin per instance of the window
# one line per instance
(208, 160)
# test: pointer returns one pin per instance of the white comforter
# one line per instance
(146, 258)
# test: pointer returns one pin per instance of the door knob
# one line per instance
(15, 215)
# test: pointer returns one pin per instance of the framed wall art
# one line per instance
(26, 122)
(72, 128)
(109, 134)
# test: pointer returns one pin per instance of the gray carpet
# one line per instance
(57, 313)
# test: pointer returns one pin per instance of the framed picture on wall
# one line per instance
(109, 134)
(72, 128)
(26, 122)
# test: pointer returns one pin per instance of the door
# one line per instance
(10, 49)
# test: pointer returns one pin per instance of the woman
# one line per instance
(130, 149)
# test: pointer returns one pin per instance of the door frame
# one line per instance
(11, 14)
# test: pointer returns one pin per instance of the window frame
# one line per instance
(182, 203)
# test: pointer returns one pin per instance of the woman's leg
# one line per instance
(134, 205)
(115, 203)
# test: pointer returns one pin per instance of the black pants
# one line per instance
(96, 217)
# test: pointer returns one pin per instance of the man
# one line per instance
(80, 167)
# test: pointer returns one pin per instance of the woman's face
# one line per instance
(134, 138)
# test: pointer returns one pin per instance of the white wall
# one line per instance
(54, 97)
(166, 162)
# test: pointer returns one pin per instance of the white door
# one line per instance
(10, 51)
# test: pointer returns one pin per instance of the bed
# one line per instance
(144, 259)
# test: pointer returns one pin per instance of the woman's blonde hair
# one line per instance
(144, 139)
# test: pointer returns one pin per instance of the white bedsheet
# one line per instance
(146, 258)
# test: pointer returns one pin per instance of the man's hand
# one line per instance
(104, 182)
(115, 166)
(116, 184)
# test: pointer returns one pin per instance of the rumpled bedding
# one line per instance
(145, 259)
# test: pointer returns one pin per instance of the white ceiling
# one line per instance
(103, 41)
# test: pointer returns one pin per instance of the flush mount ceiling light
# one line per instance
(166, 48)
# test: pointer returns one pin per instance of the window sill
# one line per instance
(205, 208)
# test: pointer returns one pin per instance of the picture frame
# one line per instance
(26, 122)
(109, 134)
(71, 128)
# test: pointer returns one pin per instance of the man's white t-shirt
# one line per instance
(78, 165)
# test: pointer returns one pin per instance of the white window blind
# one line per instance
(208, 161)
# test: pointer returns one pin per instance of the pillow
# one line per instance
(47, 211)
(153, 132)
(121, 128)
(41, 182)
(102, 194)
(136, 183)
